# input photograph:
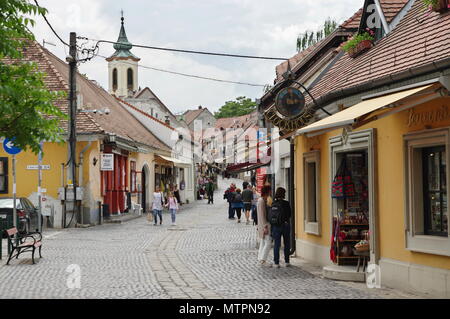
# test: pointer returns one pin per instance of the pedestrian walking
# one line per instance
(172, 204)
(247, 197)
(176, 193)
(228, 196)
(256, 196)
(253, 179)
(157, 206)
(237, 204)
(280, 220)
(264, 227)
(210, 191)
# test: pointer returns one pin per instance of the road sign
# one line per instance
(9, 147)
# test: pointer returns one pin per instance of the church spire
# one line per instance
(123, 46)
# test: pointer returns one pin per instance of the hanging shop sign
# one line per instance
(107, 162)
(289, 111)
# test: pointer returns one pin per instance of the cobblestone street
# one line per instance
(204, 256)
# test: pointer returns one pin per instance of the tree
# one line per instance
(27, 108)
(310, 38)
(241, 106)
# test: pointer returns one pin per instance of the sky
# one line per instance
(246, 27)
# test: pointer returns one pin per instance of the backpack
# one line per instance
(237, 198)
(275, 213)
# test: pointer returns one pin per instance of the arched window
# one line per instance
(130, 79)
(114, 79)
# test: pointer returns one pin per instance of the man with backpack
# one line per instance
(279, 218)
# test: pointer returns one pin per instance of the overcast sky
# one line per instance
(250, 27)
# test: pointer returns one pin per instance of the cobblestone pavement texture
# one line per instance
(204, 256)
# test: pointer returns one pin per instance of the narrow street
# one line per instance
(204, 256)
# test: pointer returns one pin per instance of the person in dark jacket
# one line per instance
(228, 195)
(247, 198)
(283, 229)
(237, 203)
(210, 191)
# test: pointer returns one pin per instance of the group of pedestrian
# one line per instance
(271, 216)
(273, 225)
(171, 202)
(241, 202)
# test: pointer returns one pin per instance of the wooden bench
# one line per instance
(23, 243)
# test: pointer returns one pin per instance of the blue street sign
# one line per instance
(9, 147)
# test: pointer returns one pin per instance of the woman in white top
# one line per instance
(157, 207)
(264, 226)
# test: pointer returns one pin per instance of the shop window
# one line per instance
(133, 187)
(3, 175)
(426, 192)
(311, 182)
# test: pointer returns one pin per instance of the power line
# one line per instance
(45, 18)
(193, 76)
(188, 51)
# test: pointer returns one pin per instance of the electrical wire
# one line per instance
(45, 18)
(191, 75)
(188, 51)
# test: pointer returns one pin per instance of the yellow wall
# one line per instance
(390, 188)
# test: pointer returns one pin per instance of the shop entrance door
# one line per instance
(358, 150)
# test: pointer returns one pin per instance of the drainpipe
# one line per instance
(292, 193)
(80, 172)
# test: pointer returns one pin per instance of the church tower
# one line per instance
(123, 67)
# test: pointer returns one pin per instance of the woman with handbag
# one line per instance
(264, 227)
(157, 207)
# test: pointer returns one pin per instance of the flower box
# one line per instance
(360, 48)
(440, 6)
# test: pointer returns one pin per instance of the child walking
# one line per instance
(172, 204)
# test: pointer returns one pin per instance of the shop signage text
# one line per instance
(35, 167)
(107, 162)
(428, 117)
(288, 124)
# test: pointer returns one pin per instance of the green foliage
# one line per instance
(27, 110)
(310, 38)
(353, 42)
(241, 106)
(430, 3)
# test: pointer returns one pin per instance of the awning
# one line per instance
(175, 161)
(351, 115)
(244, 167)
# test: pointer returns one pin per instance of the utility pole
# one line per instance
(72, 59)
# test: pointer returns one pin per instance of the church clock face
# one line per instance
(290, 102)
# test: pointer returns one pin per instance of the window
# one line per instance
(426, 212)
(311, 180)
(130, 79)
(114, 79)
(133, 187)
(3, 175)
(435, 191)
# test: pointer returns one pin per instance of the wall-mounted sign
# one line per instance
(289, 112)
(428, 116)
(35, 167)
(290, 102)
(107, 162)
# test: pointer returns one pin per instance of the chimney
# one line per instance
(199, 107)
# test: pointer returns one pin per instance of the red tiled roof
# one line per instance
(354, 21)
(244, 121)
(420, 38)
(54, 81)
(391, 8)
(191, 115)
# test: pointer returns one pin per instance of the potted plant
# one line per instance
(437, 5)
(359, 43)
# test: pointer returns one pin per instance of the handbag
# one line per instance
(342, 185)
(149, 217)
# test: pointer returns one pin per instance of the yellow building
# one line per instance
(388, 141)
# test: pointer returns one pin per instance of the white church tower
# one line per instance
(123, 67)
